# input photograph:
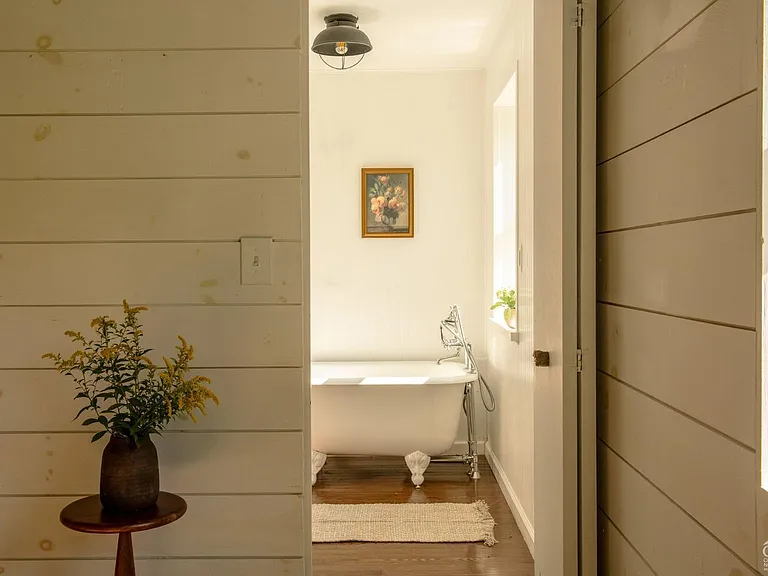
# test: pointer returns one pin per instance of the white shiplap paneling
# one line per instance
(186, 273)
(151, 82)
(690, 463)
(250, 399)
(703, 269)
(672, 542)
(635, 29)
(150, 146)
(150, 24)
(223, 336)
(214, 526)
(662, 356)
(711, 61)
(200, 463)
(158, 567)
(149, 210)
(615, 555)
(669, 179)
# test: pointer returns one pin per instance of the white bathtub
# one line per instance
(409, 409)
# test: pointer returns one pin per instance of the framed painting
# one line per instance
(387, 202)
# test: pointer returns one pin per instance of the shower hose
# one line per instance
(490, 401)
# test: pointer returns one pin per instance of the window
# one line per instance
(505, 196)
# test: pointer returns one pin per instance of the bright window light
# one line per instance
(318, 381)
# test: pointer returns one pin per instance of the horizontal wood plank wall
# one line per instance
(158, 567)
(141, 142)
(678, 185)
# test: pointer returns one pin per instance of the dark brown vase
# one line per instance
(130, 476)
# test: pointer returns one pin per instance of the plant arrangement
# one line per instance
(130, 398)
(389, 197)
(507, 298)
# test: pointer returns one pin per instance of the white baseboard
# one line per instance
(522, 520)
(460, 447)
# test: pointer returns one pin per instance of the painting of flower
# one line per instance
(387, 202)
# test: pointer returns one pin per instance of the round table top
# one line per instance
(87, 515)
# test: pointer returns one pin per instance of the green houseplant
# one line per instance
(130, 398)
(507, 298)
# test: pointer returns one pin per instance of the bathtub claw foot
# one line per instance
(417, 463)
(318, 461)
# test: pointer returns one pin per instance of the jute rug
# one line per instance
(403, 523)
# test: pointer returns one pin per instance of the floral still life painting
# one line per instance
(387, 202)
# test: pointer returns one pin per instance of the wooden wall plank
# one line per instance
(702, 168)
(223, 336)
(636, 29)
(671, 542)
(251, 399)
(150, 82)
(710, 62)
(150, 210)
(615, 555)
(703, 269)
(206, 463)
(157, 567)
(150, 146)
(224, 526)
(164, 24)
(187, 273)
(605, 8)
(711, 477)
(719, 392)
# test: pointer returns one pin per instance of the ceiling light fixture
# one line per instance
(342, 39)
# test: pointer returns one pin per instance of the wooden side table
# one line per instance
(87, 515)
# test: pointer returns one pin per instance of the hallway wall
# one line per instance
(678, 186)
(140, 141)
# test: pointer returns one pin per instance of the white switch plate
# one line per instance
(255, 261)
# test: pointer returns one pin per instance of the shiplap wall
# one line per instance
(678, 187)
(140, 141)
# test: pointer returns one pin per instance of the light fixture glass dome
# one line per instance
(341, 39)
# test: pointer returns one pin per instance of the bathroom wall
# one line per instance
(383, 299)
(136, 150)
(509, 365)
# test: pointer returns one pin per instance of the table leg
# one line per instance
(124, 564)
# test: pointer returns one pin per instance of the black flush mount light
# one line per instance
(341, 39)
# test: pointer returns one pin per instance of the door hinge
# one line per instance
(578, 22)
(579, 361)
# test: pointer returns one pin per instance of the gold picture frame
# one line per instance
(387, 202)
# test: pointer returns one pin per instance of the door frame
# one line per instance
(565, 302)
(587, 271)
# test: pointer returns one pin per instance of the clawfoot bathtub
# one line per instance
(409, 409)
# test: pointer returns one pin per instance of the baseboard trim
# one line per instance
(525, 525)
(460, 447)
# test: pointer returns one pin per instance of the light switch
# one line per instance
(256, 260)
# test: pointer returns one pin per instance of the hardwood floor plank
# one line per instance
(364, 480)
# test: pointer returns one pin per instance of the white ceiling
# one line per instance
(418, 34)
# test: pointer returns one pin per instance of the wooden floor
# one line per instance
(387, 480)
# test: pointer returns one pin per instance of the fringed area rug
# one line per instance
(403, 523)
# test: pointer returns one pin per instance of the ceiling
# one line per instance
(418, 34)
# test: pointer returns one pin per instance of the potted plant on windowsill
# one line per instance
(131, 398)
(508, 300)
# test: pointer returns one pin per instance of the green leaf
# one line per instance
(103, 421)
(90, 421)
(96, 437)
(83, 409)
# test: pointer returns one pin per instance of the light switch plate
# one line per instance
(255, 261)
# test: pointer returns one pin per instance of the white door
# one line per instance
(563, 252)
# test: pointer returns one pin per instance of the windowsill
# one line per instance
(514, 335)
